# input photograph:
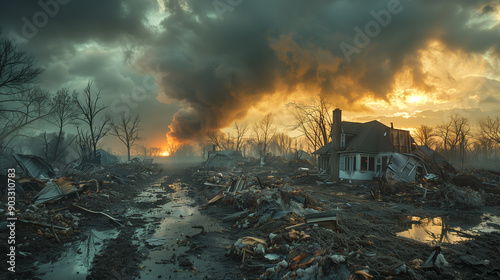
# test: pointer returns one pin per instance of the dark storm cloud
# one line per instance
(224, 58)
(55, 27)
(96, 41)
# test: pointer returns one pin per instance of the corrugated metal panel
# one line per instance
(34, 166)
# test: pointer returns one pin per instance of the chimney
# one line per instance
(391, 135)
(336, 131)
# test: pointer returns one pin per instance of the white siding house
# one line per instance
(365, 149)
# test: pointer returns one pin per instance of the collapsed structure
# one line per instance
(223, 159)
(279, 222)
(34, 166)
(371, 150)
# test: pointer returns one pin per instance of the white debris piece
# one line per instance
(272, 236)
(441, 261)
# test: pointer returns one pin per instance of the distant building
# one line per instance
(299, 154)
(361, 151)
(223, 159)
(102, 157)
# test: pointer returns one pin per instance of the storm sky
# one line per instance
(191, 66)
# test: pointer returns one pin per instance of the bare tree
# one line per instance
(182, 150)
(463, 131)
(241, 130)
(283, 143)
(18, 98)
(155, 151)
(219, 139)
(314, 121)
(444, 132)
(484, 147)
(65, 112)
(424, 135)
(490, 128)
(455, 136)
(29, 106)
(204, 147)
(84, 144)
(17, 69)
(127, 130)
(263, 133)
(90, 111)
(146, 151)
(459, 137)
(142, 150)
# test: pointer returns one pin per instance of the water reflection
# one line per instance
(433, 230)
(75, 263)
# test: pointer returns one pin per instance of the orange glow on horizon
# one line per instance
(165, 154)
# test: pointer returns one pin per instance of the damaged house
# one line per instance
(223, 159)
(364, 151)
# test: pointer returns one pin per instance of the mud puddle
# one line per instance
(167, 227)
(76, 262)
(171, 243)
(438, 230)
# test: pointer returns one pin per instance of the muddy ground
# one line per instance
(163, 204)
(381, 237)
(167, 231)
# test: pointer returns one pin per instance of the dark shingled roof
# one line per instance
(351, 127)
(324, 150)
(370, 137)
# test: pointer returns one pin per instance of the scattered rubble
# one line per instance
(295, 235)
(53, 208)
(283, 220)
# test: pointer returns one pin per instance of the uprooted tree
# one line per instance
(127, 130)
(92, 117)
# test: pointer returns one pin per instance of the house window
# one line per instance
(367, 163)
(342, 140)
(349, 163)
